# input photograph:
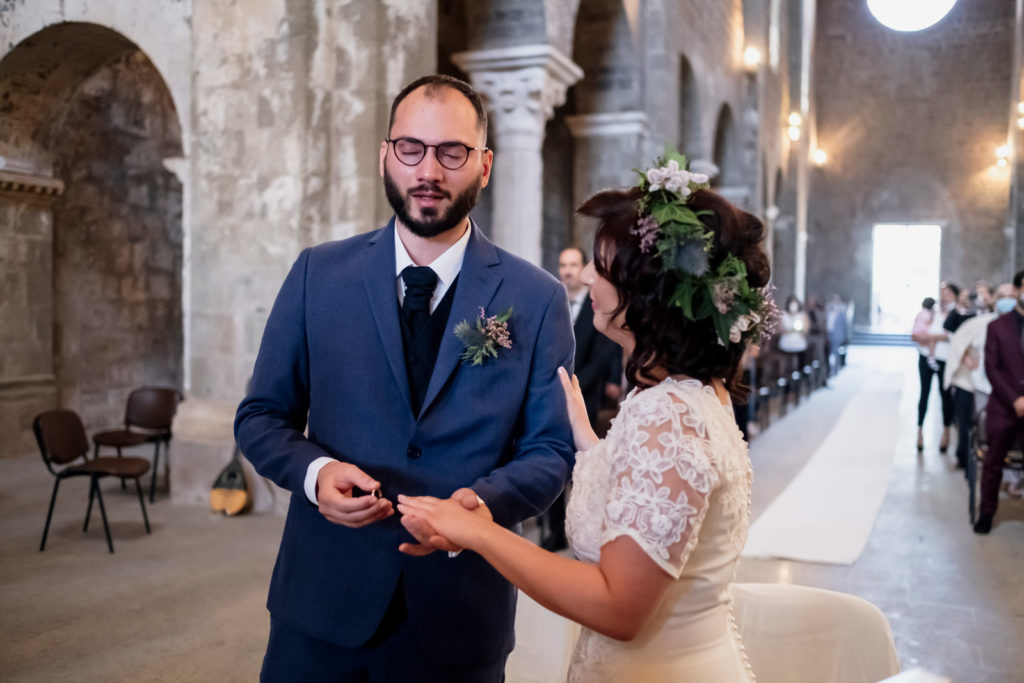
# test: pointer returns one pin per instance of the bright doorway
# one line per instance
(905, 269)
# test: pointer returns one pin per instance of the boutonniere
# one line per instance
(483, 339)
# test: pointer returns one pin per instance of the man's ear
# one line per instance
(383, 156)
(487, 160)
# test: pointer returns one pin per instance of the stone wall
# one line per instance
(26, 320)
(117, 242)
(910, 122)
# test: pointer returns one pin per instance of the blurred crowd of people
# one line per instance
(972, 340)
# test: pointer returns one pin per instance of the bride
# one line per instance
(659, 509)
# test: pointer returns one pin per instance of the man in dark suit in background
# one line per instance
(1004, 366)
(598, 369)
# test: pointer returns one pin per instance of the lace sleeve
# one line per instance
(661, 480)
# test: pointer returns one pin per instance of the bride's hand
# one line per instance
(449, 518)
(582, 433)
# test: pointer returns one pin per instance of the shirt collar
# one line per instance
(447, 265)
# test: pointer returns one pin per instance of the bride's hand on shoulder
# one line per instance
(449, 518)
(582, 433)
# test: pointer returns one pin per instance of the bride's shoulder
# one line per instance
(665, 401)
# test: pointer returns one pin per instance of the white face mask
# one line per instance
(1005, 304)
(794, 307)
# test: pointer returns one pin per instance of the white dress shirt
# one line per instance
(576, 303)
(447, 267)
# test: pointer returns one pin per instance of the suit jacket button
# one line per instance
(413, 452)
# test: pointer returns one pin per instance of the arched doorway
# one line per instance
(84, 105)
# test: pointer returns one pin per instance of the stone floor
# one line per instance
(187, 602)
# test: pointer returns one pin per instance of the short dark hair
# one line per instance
(953, 287)
(928, 302)
(573, 247)
(664, 337)
(1018, 278)
(434, 83)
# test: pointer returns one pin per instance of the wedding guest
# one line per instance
(1004, 426)
(659, 508)
(965, 370)
(598, 367)
(933, 350)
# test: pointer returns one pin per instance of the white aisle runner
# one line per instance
(826, 513)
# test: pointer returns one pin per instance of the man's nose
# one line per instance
(429, 167)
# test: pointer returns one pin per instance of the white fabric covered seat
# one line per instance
(797, 634)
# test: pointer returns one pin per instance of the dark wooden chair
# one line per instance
(147, 418)
(62, 441)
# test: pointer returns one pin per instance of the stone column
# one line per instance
(606, 149)
(522, 86)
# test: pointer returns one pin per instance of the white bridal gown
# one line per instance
(673, 474)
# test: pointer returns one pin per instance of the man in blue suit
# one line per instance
(361, 392)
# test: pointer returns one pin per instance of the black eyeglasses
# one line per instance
(451, 155)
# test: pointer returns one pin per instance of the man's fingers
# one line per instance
(415, 549)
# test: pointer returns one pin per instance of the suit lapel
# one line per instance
(381, 290)
(478, 281)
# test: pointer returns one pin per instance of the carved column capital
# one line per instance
(522, 85)
(608, 124)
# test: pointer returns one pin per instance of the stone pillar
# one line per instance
(607, 147)
(522, 86)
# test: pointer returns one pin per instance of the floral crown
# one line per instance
(673, 231)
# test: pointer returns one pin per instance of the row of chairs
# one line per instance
(778, 379)
(976, 460)
(64, 447)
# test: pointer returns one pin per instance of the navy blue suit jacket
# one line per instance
(332, 352)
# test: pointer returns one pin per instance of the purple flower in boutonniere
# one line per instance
(483, 339)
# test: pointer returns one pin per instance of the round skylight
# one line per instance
(909, 15)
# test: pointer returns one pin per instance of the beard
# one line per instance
(431, 223)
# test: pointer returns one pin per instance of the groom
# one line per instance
(360, 393)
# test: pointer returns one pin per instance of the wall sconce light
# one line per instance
(751, 59)
(794, 126)
(1003, 155)
(819, 157)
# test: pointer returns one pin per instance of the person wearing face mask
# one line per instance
(965, 370)
(1004, 425)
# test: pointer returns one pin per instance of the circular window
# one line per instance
(909, 15)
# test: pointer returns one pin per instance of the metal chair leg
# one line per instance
(152, 481)
(49, 514)
(142, 502)
(103, 512)
(88, 510)
(122, 478)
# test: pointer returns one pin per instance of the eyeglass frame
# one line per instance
(427, 147)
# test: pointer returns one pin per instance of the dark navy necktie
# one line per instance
(419, 289)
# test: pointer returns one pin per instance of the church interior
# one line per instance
(162, 164)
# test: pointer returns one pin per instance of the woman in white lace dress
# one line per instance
(659, 509)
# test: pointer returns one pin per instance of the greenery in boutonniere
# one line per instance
(483, 339)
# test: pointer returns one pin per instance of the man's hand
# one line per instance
(334, 486)
(1018, 406)
(428, 538)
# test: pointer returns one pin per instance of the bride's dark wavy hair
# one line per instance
(664, 338)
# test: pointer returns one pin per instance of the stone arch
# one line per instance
(85, 106)
(726, 150)
(689, 111)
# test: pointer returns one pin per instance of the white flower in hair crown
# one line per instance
(672, 231)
